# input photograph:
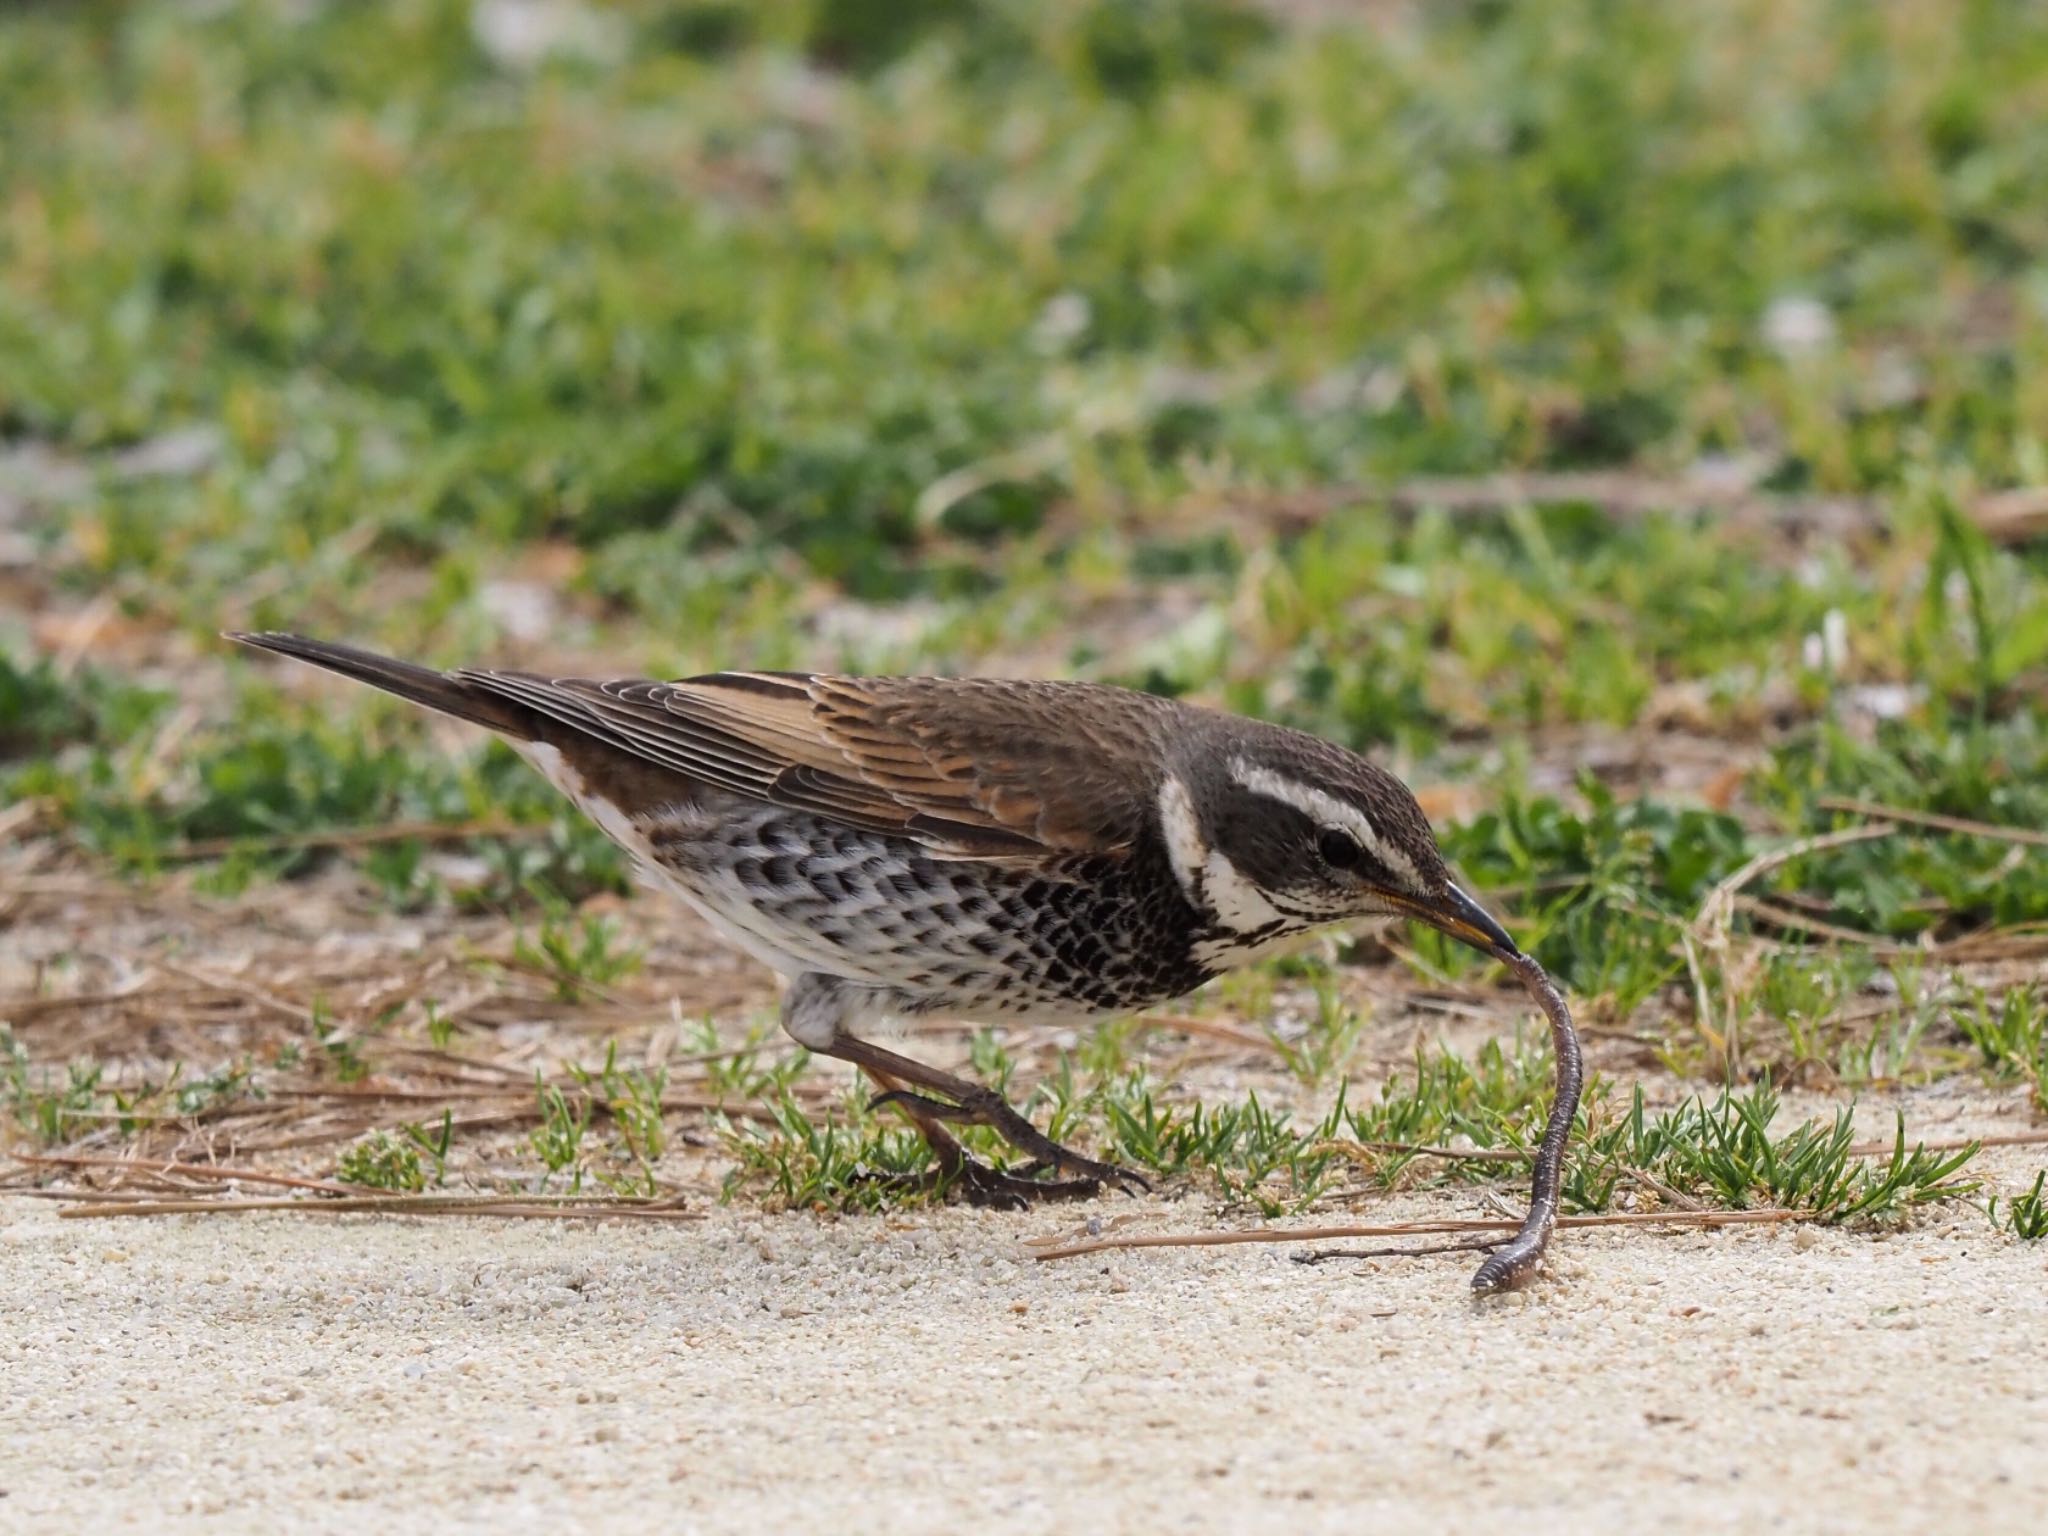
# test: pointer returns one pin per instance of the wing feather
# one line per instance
(971, 768)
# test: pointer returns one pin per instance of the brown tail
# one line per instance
(423, 685)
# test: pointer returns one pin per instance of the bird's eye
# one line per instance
(1339, 850)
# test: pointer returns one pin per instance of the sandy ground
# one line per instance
(923, 1372)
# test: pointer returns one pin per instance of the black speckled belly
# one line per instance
(1088, 935)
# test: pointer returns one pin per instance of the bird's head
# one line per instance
(1279, 831)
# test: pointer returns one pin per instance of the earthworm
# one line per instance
(1515, 1263)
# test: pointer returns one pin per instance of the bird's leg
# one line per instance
(813, 1012)
(946, 1152)
(979, 1184)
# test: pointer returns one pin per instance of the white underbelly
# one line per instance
(720, 901)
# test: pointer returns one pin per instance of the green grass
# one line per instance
(1725, 1152)
(384, 1161)
(2026, 1215)
(557, 1142)
(712, 302)
(41, 711)
(631, 1099)
(2011, 1035)
(579, 955)
(850, 1160)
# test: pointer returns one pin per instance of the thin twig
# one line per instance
(22, 1009)
(1366, 1151)
(1656, 1186)
(242, 989)
(2020, 941)
(1075, 1250)
(1996, 831)
(2007, 517)
(1719, 907)
(559, 1208)
(479, 1093)
(1955, 1143)
(188, 1170)
(1624, 496)
(1325, 1255)
(356, 837)
(1207, 1028)
(1799, 922)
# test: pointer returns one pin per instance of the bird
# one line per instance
(987, 849)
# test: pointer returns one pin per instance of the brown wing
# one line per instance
(975, 767)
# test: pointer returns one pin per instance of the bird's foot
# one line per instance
(1001, 1190)
(984, 1187)
(986, 1107)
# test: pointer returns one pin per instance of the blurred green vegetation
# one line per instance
(841, 333)
(755, 277)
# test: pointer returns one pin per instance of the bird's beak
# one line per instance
(1458, 915)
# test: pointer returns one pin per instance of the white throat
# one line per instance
(1212, 884)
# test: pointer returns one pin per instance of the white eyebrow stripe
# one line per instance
(1212, 884)
(1327, 810)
